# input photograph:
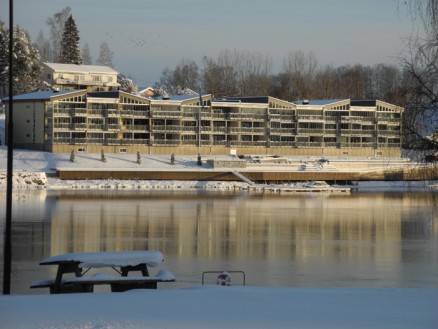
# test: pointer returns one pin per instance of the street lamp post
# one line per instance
(8, 244)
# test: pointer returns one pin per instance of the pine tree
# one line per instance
(102, 156)
(27, 70)
(70, 51)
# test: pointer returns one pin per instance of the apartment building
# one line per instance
(119, 122)
(74, 77)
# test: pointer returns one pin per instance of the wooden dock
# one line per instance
(261, 176)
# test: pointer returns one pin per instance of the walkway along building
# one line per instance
(119, 122)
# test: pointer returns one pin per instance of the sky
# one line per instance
(148, 36)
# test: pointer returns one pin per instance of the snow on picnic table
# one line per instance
(109, 259)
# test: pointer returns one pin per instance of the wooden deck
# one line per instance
(260, 176)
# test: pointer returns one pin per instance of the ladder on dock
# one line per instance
(243, 178)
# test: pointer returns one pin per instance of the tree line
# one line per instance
(244, 73)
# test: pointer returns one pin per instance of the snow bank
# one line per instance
(25, 180)
(28, 180)
(226, 307)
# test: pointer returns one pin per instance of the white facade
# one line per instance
(72, 76)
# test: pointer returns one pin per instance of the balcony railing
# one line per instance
(135, 127)
(282, 131)
(389, 133)
(61, 126)
(78, 126)
(281, 144)
(309, 144)
(166, 114)
(111, 127)
(358, 132)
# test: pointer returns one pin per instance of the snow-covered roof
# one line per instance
(88, 69)
(179, 98)
(318, 102)
(40, 95)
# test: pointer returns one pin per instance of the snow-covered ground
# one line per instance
(226, 307)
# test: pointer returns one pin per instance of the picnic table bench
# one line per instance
(122, 262)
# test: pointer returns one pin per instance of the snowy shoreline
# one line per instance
(226, 307)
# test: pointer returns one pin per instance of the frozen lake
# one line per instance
(366, 239)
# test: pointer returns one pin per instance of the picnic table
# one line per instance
(122, 262)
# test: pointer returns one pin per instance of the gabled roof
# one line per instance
(87, 69)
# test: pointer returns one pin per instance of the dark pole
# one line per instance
(8, 245)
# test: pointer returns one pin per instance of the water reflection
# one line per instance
(364, 239)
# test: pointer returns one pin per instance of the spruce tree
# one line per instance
(26, 69)
(70, 51)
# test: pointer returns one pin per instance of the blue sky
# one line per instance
(147, 36)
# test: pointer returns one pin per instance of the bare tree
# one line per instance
(182, 79)
(219, 79)
(86, 55)
(421, 68)
(421, 74)
(56, 25)
(44, 47)
(253, 71)
(300, 70)
(105, 55)
(424, 10)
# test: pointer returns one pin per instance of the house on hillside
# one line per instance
(74, 77)
(119, 122)
(147, 92)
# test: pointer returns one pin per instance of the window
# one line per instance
(97, 78)
(81, 149)
(110, 79)
(122, 150)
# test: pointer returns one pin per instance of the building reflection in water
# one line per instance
(363, 239)
(236, 226)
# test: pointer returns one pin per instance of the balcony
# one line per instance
(389, 145)
(310, 131)
(78, 112)
(166, 114)
(282, 131)
(310, 118)
(142, 128)
(166, 142)
(358, 132)
(395, 133)
(61, 126)
(356, 119)
(281, 144)
(110, 113)
(93, 126)
(111, 127)
(248, 143)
